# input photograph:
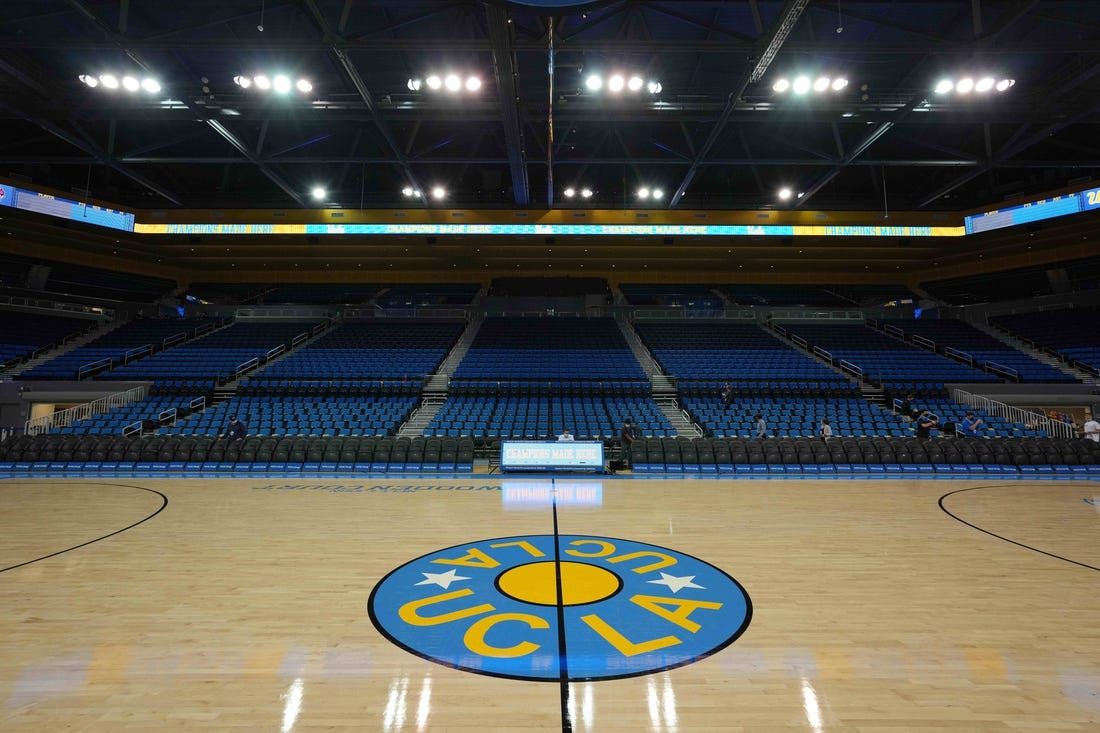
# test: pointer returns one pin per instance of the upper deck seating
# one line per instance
(22, 332)
(427, 295)
(1072, 333)
(688, 297)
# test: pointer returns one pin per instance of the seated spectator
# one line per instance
(565, 435)
(925, 423)
(237, 429)
(969, 426)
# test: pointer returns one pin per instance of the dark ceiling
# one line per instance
(711, 139)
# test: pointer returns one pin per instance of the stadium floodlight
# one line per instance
(1005, 84)
(150, 85)
(944, 86)
(781, 85)
(130, 84)
(318, 193)
(304, 86)
(439, 192)
(593, 82)
(822, 83)
(643, 193)
(657, 193)
(281, 84)
(452, 82)
(839, 84)
(586, 193)
(262, 82)
(616, 83)
(635, 83)
(785, 193)
(473, 84)
(243, 82)
(109, 80)
(985, 84)
(654, 87)
(89, 80)
(965, 85)
(570, 192)
(801, 85)
(414, 85)
(434, 82)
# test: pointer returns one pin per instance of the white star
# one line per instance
(675, 584)
(443, 580)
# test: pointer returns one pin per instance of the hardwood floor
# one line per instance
(695, 605)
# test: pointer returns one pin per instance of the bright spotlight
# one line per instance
(318, 193)
(616, 83)
(801, 85)
(965, 85)
(109, 81)
(413, 85)
(593, 82)
(586, 193)
(89, 80)
(944, 86)
(784, 193)
(654, 87)
(822, 83)
(304, 86)
(781, 85)
(452, 82)
(262, 82)
(1005, 84)
(281, 84)
(439, 192)
(150, 85)
(242, 81)
(984, 84)
(130, 84)
(643, 193)
(569, 192)
(434, 82)
(657, 193)
(407, 191)
(473, 84)
(839, 84)
(635, 83)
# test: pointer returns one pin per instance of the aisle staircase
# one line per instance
(422, 416)
(65, 348)
(681, 422)
(1006, 337)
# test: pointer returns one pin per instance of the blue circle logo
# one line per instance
(581, 608)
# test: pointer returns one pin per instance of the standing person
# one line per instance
(1091, 428)
(925, 423)
(761, 426)
(627, 436)
(727, 394)
(826, 430)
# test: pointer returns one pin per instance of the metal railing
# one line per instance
(893, 331)
(807, 315)
(136, 353)
(64, 418)
(246, 366)
(925, 342)
(94, 367)
(801, 342)
(818, 351)
(1027, 418)
(1006, 371)
(958, 355)
(851, 368)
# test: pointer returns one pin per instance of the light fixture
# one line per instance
(784, 193)
(657, 193)
(243, 82)
(635, 83)
(822, 83)
(839, 84)
(586, 193)
(414, 85)
(304, 86)
(438, 192)
(281, 84)
(109, 80)
(473, 84)
(643, 193)
(654, 87)
(130, 84)
(781, 85)
(593, 82)
(984, 84)
(318, 193)
(434, 82)
(409, 191)
(1005, 84)
(801, 85)
(452, 82)
(944, 86)
(616, 83)
(89, 80)
(150, 85)
(262, 82)
(965, 85)
(569, 192)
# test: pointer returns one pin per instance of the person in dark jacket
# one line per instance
(237, 429)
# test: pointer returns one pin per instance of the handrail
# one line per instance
(851, 368)
(94, 367)
(166, 416)
(872, 323)
(298, 339)
(245, 366)
(1030, 420)
(818, 351)
(134, 427)
(173, 340)
(992, 366)
(137, 350)
(779, 329)
(64, 418)
(958, 355)
(208, 326)
(196, 403)
(925, 342)
(275, 352)
(893, 330)
(318, 328)
(1085, 367)
(801, 341)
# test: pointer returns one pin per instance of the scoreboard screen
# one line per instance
(1052, 208)
(544, 455)
(63, 208)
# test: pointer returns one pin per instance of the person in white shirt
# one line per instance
(1092, 429)
(565, 435)
(826, 431)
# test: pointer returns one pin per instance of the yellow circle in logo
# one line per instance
(580, 583)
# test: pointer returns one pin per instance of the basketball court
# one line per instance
(489, 603)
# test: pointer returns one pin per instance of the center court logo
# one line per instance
(626, 608)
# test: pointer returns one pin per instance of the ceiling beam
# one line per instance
(506, 74)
